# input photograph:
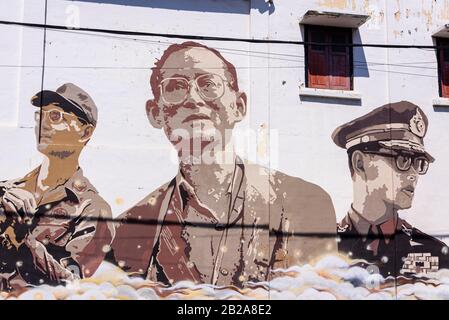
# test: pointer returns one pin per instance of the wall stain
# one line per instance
(444, 12)
(427, 14)
(366, 5)
(381, 16)
(398, 33)
(430, 13)
(119, 201)
(375, 11)
(339, 4)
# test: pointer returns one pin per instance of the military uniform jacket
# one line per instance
(406, 251)
(274, 221)
(66, 239)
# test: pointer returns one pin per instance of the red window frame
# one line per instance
(443, 67)
(329, 67)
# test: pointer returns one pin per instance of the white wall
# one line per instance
(126, 158)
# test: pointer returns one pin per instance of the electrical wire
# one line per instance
(214, 38)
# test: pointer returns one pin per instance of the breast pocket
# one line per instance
(54, 226)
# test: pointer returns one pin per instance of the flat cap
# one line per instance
(398, 126)
(70, 98)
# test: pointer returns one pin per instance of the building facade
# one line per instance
(297, 93)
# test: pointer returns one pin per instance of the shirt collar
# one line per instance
(363, 226)
(71, 189)
(358, 221)
(235, 191)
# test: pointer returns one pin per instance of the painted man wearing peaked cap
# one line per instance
(217, 222)
(53, 223)
(386, 158)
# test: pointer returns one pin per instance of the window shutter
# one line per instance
(318, 61)
(444, 64)
(329, 67)
(339, 56)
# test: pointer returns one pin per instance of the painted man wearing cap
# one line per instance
(217, 222)
(53, 224)
(386, 158)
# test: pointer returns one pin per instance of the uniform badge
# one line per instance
(342, 228)
(417, 125)
(60, 212)
(420, 263)
(407, 231)
(79, 185)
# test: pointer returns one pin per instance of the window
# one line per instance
(328, 67)
(443, 67)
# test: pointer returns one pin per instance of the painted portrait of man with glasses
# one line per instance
(222, 220)
(53, 223)
(387, 157)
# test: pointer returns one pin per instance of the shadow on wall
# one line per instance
(332, 101)
(440, 109)
(224, 6)
(360, 65)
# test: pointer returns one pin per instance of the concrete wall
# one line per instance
(126, 158)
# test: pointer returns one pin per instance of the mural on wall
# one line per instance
(221, 220)
(53, 222)
(386, 158)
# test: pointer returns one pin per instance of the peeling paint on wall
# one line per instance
(427, 15)
(397, 15)
(432, 14)
(444, 12)
(336, 4)
(398, 33)
(376, 13)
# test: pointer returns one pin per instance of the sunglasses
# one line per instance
(405, 161)
(54, 115)
(175, 90)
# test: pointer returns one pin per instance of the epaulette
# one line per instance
(341, 228)
(407, 229)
